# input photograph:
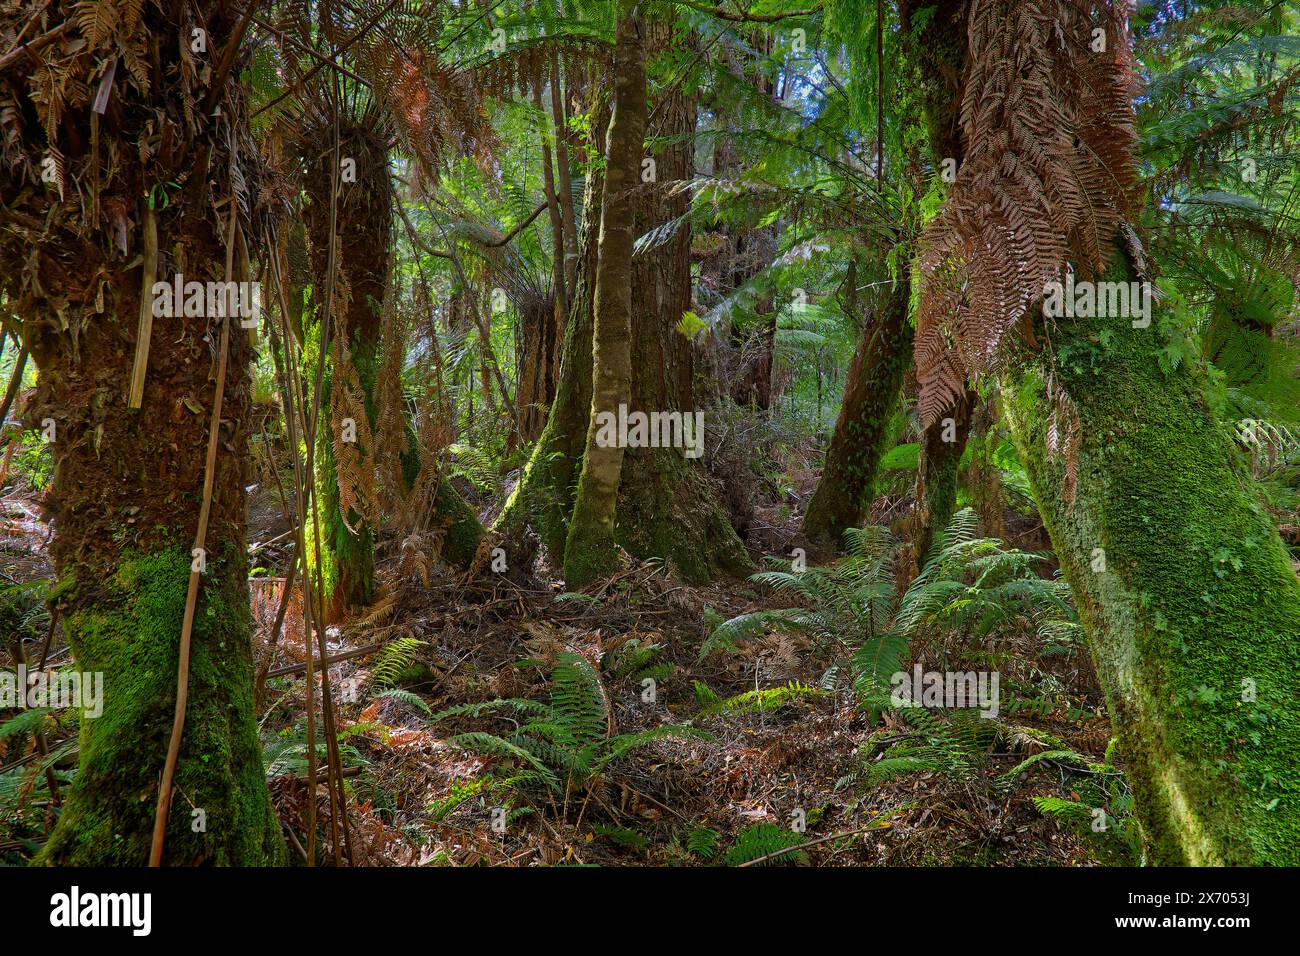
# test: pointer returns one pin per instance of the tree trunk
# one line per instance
(125, 495)
(1189, 599)
(666, 507)
(870, 393)
(937, 476)
(364, 218)
(590, 550)
(537, 366)
(543, 498)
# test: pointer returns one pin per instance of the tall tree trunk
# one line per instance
(590, 550)
(1186, 591)
(125, 497)
(543, 498)
(666, 506)
(871, 391)
(364, 218)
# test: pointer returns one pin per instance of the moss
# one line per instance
(1197, 596)
(667, 510)
(347, 561)
(127, 628)
(463, 532)
(941, 475)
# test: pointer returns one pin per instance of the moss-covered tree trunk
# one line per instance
(938, 474)
(870, 393)
(668, 507)
(543, 498)
(590, 550)
(125, 497)
(1190, 602)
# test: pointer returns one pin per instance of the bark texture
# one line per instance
(590, 550)
(125, 497)
(870, 393)
(1188, 595)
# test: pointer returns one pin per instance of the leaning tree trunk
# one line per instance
(1186, 592)
(590, 550)
(125, 499)
(870, 393)
(1188, 596)
(543, 498)
(943, 444)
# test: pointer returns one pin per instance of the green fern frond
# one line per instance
(393, 658)
(763, 839)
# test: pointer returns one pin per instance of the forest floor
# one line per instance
(792, 762)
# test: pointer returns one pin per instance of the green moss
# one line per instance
(128, 629)
(667, 510)
(462, 530)
(347, 560)
(1197, 596)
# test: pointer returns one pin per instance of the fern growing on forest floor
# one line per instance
(564, 743)
(1103, 811)
(972, 585)
(761, 700)
(766, 840)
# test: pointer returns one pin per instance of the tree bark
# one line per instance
(1186, 591)
(870, 393)
(942, 446)
(364, 219)
(124, 500)
(590, 550)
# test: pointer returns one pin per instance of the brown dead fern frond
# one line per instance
(1047, 125)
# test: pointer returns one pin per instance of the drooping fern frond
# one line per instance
(1048, 131)
(392, 659)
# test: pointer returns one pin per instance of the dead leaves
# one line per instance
(1048, 132)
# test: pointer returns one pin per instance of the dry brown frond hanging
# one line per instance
(353, 439)
(1047, 124)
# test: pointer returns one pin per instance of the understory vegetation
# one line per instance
(572, 432)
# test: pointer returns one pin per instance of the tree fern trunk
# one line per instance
(364, 223)
(125, 497)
